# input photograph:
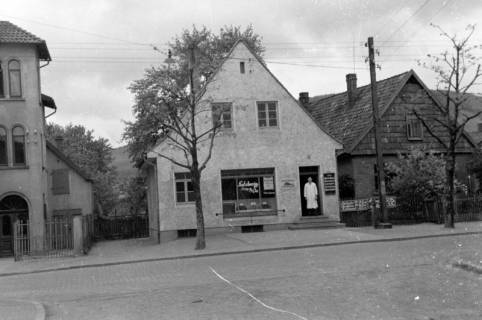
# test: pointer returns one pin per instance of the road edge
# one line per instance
(213, 254)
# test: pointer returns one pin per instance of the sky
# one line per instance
(99, 47)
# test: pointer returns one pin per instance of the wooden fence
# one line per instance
(468, 209)
(124, 227)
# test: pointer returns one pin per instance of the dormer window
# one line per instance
(14, 79)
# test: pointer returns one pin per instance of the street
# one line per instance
(390, 280)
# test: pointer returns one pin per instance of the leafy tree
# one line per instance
(457, 72)
(93, 155)
(133, 190)
(166, 103)
(417, 176)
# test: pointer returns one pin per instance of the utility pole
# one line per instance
(378, 142)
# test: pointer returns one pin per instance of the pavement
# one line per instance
(142, 250)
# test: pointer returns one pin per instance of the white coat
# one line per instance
(311, 194)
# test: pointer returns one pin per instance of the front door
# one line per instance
(6, 235)
(305, 173)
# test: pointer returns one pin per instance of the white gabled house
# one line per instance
(269, 145)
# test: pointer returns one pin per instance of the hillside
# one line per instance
(122, 162)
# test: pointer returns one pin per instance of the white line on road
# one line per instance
(254, 298)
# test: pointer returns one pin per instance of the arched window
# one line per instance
(14, 79)
(18, 138)
(3, 147)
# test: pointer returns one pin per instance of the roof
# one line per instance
(258, 59)
(48, 101)
(10, 33)
(350, 123)
(67, 161)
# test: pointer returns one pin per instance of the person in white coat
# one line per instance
(311, 196)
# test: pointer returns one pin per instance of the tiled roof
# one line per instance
(349, 123)
(10, 33)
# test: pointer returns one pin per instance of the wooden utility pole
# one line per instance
(378, 142)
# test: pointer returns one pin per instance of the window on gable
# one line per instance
(2, 90)
(184, 189)
(222, 115)
(414, 128)
(267, 114)
(60, 181)
(241, 67)
(3, 147)
(14, 79)
(18, 139)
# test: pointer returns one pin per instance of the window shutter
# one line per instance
(60, 181)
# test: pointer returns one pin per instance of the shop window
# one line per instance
(2, 90)
(414, 128)
(14, 79)
(3, 147)
(248, 190)
(267, 114)
(18, 138)
(60, 181)
(222, 115)
(184, 189)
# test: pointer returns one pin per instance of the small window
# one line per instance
(241, 67)
(222, 115)
(184, 188)
(60, 182)
(267, 114)
(3, 147)
(14, 79)
(414, 128)
(2, 90)
(18, 138)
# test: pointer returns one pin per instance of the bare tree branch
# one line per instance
(173, 160)
(430, 131)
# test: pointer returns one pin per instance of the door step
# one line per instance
(315, 222)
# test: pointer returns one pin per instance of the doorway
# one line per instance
(12, 208)
(305, 173)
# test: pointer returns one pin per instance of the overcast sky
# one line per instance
(99, 47)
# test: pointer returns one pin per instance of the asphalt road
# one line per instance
(394, 280)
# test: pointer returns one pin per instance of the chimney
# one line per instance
(351, 88)
(304, 98)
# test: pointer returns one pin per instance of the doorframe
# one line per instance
(317, 182)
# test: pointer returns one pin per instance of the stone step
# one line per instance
(316, 224)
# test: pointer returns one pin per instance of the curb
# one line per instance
(213, 254)
(40, 313)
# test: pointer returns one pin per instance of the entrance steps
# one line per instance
(315, 222)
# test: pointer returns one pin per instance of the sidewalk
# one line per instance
(137, 250)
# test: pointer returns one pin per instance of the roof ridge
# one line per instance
(23, 30)
(331, 95)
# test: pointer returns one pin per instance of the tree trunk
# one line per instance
(196, 185)
(450, 213)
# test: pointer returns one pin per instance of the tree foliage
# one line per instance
(417, 176)
(458, 71)
(170, 82)
(92, 155)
